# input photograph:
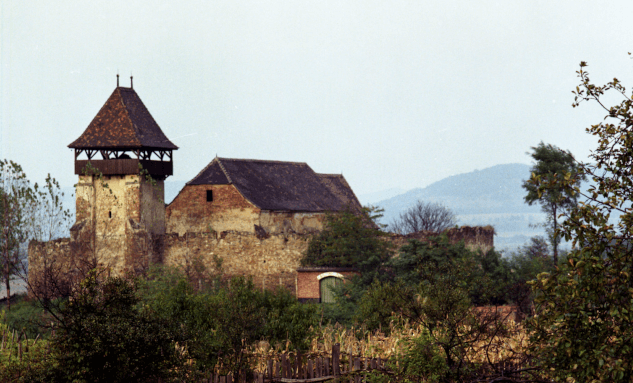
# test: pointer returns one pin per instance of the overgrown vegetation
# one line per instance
(437, 310)
(117, 329)
(584, 327)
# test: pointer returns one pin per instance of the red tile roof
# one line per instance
(123, 123)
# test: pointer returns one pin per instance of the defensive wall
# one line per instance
(475, 237)
(271, 260)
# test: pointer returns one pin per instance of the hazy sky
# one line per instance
(390, 93)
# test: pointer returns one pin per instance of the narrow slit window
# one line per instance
(109, 214)
(209, 195)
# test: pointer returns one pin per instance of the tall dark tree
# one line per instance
(552, 165)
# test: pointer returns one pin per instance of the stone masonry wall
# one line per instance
(118, 218)
(475, 238)
(152, 206)
(275, 222)
(52, 267)
(229, 210)
(270, 261)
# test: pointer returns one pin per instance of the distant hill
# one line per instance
(491, 196)
(372, 198)
(492, 190)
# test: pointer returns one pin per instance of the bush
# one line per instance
(218, 325)
(350, 239)
(104, 337)
(27, 317)
(422, 361)
(289, 320)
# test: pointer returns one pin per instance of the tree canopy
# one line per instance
(349, 239)
(428, 216)
(551, 166)
(18, 202)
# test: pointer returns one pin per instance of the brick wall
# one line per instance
(191, 212)
(308, 287)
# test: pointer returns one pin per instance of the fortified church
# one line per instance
(256, 216)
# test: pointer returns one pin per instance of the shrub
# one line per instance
(104, 337)
(218, 325)
(27, 317)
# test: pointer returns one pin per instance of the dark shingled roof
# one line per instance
(123, 123)
(340, 188)
(277, 185)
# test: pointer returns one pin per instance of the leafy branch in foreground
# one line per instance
(584, 324)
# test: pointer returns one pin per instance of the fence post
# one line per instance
(284, 366)
(269, 368)
(298, 363)
(336, 355)
(288, 368)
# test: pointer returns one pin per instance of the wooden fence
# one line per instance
(286, 367)
(12, 338)
(295, 367)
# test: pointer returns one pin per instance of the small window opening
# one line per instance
(209, 195)
(110, 214)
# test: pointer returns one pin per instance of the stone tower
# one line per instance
(122, 160)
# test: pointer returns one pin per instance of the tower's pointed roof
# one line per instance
(123, 123)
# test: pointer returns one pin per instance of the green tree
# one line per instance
(218, 324)
(51, 219)
(18, 202)
(525, 265)
(484, 279)
(551, 165)
(584, 326)
(104, 336)
(427, 216)
(350, 239)
(436, 285)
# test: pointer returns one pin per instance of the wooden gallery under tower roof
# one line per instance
(122, 160)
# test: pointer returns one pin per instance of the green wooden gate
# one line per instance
(326, 284)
